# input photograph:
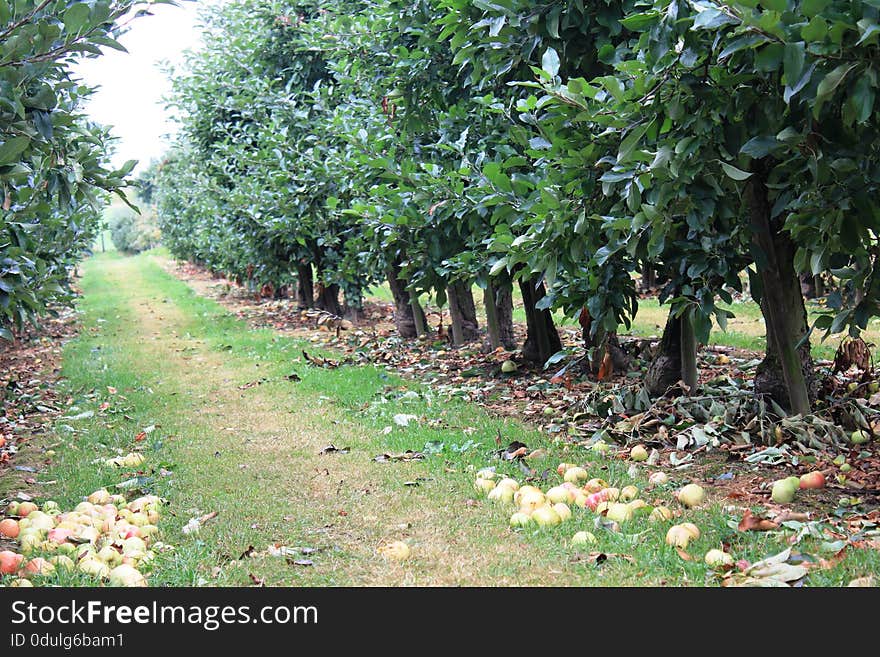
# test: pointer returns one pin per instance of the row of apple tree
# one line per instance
(559, 147)
(54, 171)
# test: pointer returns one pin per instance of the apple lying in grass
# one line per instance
(678, 536)
(62, 562)
(562, 468)
(691, 495)
(26, 508)
(783, 491)
(595, 485)
(619, 512)
(520, 519)
(576, 474)
(658, 478)
(37, 566)
(531, 500)
(718, 559)
(497, 494)
(629, 493)
(859, 437)
(638, 453)
(125, 575)
(9, 528)
(812, 480)
(546, 516)
(507, 482)
(563, 511)
(21, 583)
(583, 538)
(9, 562)
(101, 496)
(60, 535)
(660, 514)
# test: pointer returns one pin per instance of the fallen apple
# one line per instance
(595, 485)
(583, 538)
(508, 367)
(678, 536)
(691, 495)
(497, 494)
(12, 508)
(486, 473)
(507, 482)
(29, 543)
(134, 547)
(21, 583)
(482, 485)
(51, 505)
(92, 566)
(580, 500)
(60, 535)
(62, 562)
(397, 550)
(812, 480)
(857, 437)
(40, 520)
(562, 510)
(619, 512)
(846, 467)
(576, 474)
(638, 453)
(783, 492)
(601, 447)
(559, 494)
(660, 514)
(99, 497)
(37, 566)
(109, 555)
(639, 507)
(628, 493)
(563, 467)
(125, 575)
(691, 529)
(531, 501)
(520, 519)
(9, 528)
(546, 516)
(9, 562)
(26, 508)
(611, 494)
(658, 478)
(718, 559)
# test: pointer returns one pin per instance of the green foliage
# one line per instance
(133, 232)
(53, 162)
(573, 141)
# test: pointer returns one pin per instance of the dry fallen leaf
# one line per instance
(750, 522)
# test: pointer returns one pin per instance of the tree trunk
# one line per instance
(542, 339)
(664, 371)
(492, 326)
(688, 344)
(808, 285)
(463, 313)
(504, 308)
(787, 371)
(354, 305)
(328, 299)
(404, 319)
(649, 278)
(618, 358)
(419, 318)
(305, 289)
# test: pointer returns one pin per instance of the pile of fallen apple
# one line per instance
(105, 537)
(553, 506)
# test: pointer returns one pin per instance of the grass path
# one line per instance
(236, 435)
(252, 455)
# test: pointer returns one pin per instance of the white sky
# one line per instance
(131, 85)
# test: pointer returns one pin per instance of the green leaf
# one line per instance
(710, 19)
(812, 7)
(76, 17)
(769, 58)
(831, 81)
(793, 61)
(862, 99)
(639, 22)
(758, 147)
(631, 141)
(733, 172)
(6, 334)
(869, 29)
(12, 148)
(550, 61)
(775, 5)
(815, 30)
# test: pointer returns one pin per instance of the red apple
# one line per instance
(9, 528)
(9, 562)
(26, 508)
(812, 480)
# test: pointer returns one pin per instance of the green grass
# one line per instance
(177, 361)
